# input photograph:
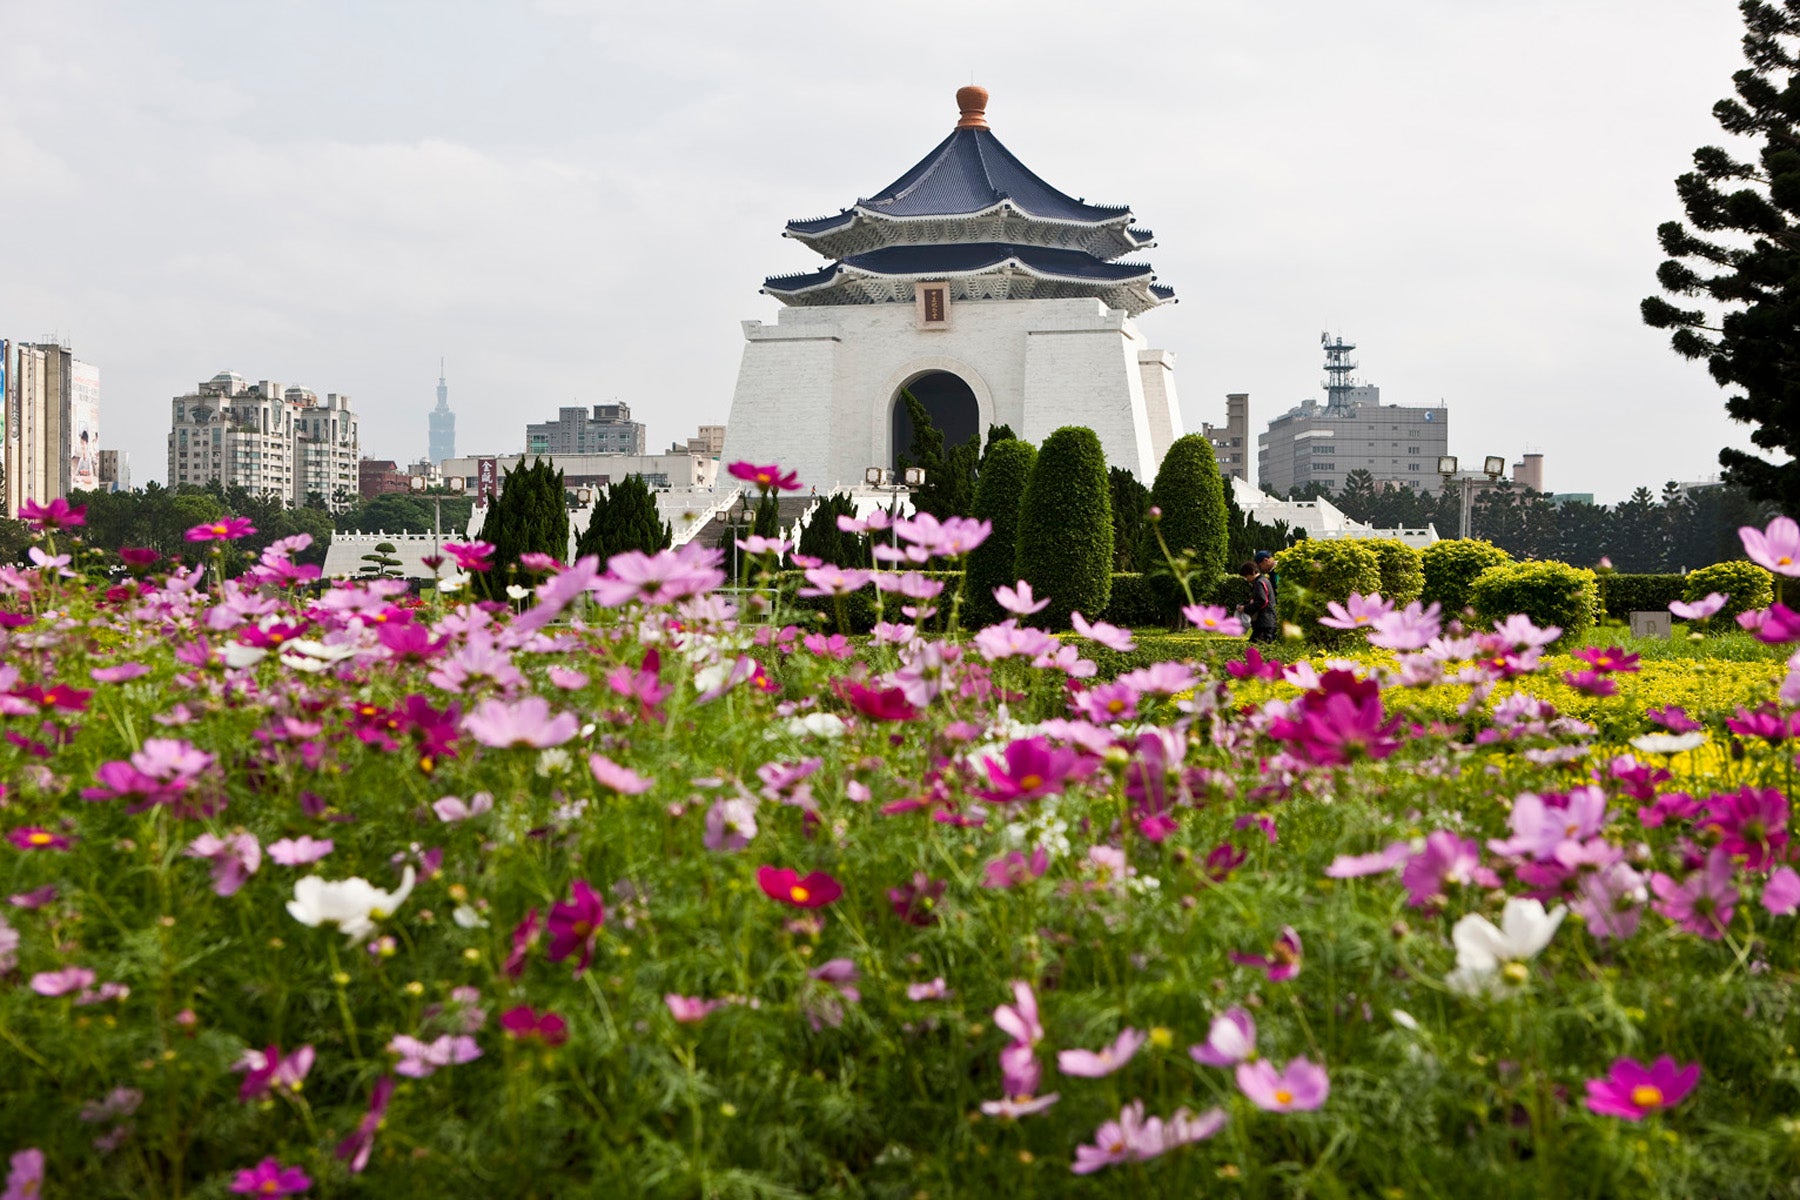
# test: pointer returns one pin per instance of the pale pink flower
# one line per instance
(61, 983)
(1110, 636)
(690, 1010)
(451, 809)
(298, 852)
(525, 723)
(1777, 547)
(933, 990)
(234, 857)
(1019, 599)
(1019, 1020)
(1701, 609)
(1091, 1064)
(1230, 1041)
(623, 780)
(420, 1059)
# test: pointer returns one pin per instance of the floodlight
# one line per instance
(915, 477)
(872, 476)
(1493, 466)
(1447, 464)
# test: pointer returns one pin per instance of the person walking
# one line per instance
(1260, 611)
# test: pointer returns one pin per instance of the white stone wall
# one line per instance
(816, 389)
(1161, 405)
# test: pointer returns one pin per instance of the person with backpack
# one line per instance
(1259, 612)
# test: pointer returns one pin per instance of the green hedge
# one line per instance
(1745, 585)
(998, 494)
(1622, 595)
(1065, 548)
(1402, 568)
(1191, 498)
(1315, 572)
(1550, 593)
(1136, 603)
(1451, 566)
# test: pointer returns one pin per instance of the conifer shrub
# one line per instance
(1315, 572)
(1550, 593)
(1623, 594)
(1135, 603)
(823, 540)
(624, 518)
(1745, 586)
(1065, 537)
(1191, 497)
(530, 514)
(1452, 565)
(1402, 568)
(998, 494)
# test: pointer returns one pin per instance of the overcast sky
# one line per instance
(575, 201)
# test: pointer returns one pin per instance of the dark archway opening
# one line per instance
(951, 404)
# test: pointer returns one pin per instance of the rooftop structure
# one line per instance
(945, 283)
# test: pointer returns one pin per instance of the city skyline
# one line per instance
(581, 202)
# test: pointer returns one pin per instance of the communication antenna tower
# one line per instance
(1338, 368)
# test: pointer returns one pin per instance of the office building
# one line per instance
(610, 430)
(52, 434)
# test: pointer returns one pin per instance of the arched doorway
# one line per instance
(951, 404)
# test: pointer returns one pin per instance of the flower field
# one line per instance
(643, 887)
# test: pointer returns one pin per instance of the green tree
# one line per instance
(624, 518)
(527, 516)
(823, 540)
(1130, 503)
(380, 563)
(1193, 525)
(949, 488)
(1741, 257)
(1357, 500)
(1065, 548)
(998, 496)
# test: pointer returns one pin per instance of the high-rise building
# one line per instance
(708, 442)
(1231, 441)
(1352, 431)
(443, 423)
(609, 431)
(283, 443)
(115, 471)
(52, 438)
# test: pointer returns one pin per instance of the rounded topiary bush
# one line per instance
(1402, 568)
(1135, 603)
(997, 498)
(1065, 536)
(1550, 593)
(1745, 586)
(1315, 572)
(1451, 566)
(1191, 496)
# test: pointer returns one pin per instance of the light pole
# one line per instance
(1493, 466)
(422, 485)
(882, 480)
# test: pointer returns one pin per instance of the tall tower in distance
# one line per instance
(443, 423)
(1338, 382)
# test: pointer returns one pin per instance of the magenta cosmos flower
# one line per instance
(1033, 768)
(36, 837)
(1752, 823)
(1777, 547)
(1300, 1087)
(576, 925)
(526, 1024)
(769, 478)
(790, 887)
(55, 515)
(1633, 1091)
(1282, 961)
(270, 1178)
(355, 1149)
(1230, 1041)
(1703, 903)
(229, 529)
(270, 1069)
(471, 556)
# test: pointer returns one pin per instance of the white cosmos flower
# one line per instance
(1669, 743)
(237, 656)
(305, 654)
(817, 724)
(1483, 951)
(515, 592)
(353, 905)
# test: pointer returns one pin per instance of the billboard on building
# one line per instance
(487, 479)
(84, 426)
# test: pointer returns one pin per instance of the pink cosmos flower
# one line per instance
(1010, 1108)
(526, 723)
(1032, 768)
(1445, 859)
(660, 578)
(266, 1070)
(1777, 547)
(690, 1010)
(471, 556)
(36, 837)
(623, 780)
(1019, 600)
(1704, 903)
(576, 925)
(1409, 628)
(25, 1178)
(418, 1059)
(229, 529)
(768, 479)
(270, 1178)
(1354, 866)
(1774, 625)
(1699, 610)
(1137, 1138)
(788, 886)
(61, 983)
(1613, 658)
(730, 824)
(1212, 618)
(1632, 1091)
(451, 809)
(1108, 702)
(834, 581)
(1019, 1020)
(524, 937)
(879, 704)
(1091, 1064)
(355, 1149)
(1781, 895)
(1015, 868)
(826, 1007)
(1591, 683)
(34, 899)
(1110, 636)
(1230, 1041)
(9, 947)
(525, 1024)
(1358, 612)
(298, 852)
(234, 858)
(1551, 826)
(1282, 962)
(1300, 1087)
(1611, 900)
(119, 674)
(1751, 823)
(55, 515)
(915, 901)
(934, 989)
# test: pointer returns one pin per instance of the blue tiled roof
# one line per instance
(969, 171)
(962, 258)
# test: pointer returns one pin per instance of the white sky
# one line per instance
(575, 201)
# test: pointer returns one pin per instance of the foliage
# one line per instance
(1136, 603)
(380, 562)
(1738, 261)
(1315, 572)
(1621, 595)
(823, 540)
(949, 488)
(1245, 535)
(998, 498)
(1402, 568)
(1130, 503)
(624, 518)
(1451, 567)
(1744, 585)
(1193, 525)
(1065, 548)
(1550, 593)
(528, 516)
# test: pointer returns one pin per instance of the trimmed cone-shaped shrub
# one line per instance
(1743, 584)
(998, 495)
(1402, 568)
(528, 515)
(625, 518)
(1550, 593)
(1313, 573)
(823, 540)
(1452, 565)
(1191, 496)
(1065, 536)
